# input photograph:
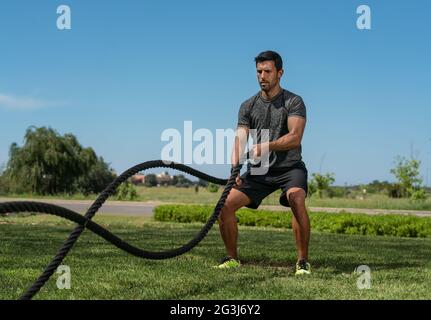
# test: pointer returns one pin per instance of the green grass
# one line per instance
(188, 195)
(400, 267)
(374, 201)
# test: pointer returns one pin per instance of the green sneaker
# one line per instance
(302, 267)
(228, 263)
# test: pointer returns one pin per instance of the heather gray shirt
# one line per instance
(258, 113)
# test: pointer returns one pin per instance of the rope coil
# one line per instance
(86, 222)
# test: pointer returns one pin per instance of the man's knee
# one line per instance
(234, 201)
(227, 211)
(296, 197)
(228, 208)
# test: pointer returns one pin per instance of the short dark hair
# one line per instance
(270, 56)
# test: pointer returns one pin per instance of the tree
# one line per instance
(202, 183)
(97, 178)
(183, 181)
(49, 163)
(377, 186)
(151, 180)
(174, 180)
(3, 185)
(3, 182)
(407, 174)
(319, 183)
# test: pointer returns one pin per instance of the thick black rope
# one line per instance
(85, 221)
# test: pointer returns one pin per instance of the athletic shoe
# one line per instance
(228, 263)
(302, 267)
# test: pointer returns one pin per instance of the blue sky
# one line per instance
(127, 70)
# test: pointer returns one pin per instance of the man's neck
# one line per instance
(272, 93)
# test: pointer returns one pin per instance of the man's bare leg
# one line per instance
(227, 221)
(300, 221)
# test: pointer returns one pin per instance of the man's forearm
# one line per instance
(284, 143)
(239, 145)
(236, 152)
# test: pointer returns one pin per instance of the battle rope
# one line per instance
(85, 221)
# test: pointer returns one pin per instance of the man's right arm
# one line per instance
(242, 131)
(241, 139)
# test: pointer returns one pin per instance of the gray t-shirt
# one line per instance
(258, 113)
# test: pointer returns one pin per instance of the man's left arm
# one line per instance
(291, 140)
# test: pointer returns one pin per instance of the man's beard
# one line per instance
(266, 86)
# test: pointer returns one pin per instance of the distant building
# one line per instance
(164, 178)
(138, 179)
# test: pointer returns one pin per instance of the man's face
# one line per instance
(267, 75)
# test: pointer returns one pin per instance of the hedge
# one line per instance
(345, 223)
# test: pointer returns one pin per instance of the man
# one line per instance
(284, 114)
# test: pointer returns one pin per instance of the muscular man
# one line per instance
(283, 114)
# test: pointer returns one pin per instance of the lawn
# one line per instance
(188, 195)
(400, 267)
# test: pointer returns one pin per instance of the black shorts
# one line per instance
(258, 187)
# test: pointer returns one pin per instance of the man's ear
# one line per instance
(280, 73)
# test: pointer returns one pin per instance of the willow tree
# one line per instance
(49, 163)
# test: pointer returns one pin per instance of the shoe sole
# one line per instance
(226, 267)
(300, 273)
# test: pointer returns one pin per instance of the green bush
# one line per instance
(212, 187)
(127, 191)
(345, 223)
(419, 195)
